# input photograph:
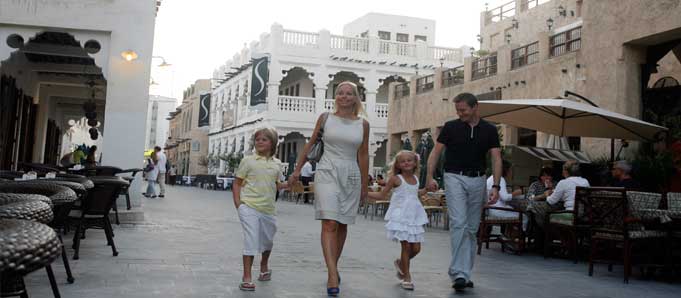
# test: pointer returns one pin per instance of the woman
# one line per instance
(152, 175)
(341, 177)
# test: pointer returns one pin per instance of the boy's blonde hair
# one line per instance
(394, 170)
(271, 135)
(358, 108)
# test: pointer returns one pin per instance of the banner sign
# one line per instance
(204, 109)
(259, 81)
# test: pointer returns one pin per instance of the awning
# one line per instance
(555, 154)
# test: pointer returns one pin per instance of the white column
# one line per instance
(371, 104)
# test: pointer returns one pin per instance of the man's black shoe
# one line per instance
(459, 284)
(469, 284)
(161, 196)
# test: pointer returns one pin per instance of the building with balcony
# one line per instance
(622, 55)
(158, 109)
(187, 144)
(304, 70)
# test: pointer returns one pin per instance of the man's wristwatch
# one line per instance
(496, 186)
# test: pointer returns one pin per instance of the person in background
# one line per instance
(380, 180)
(151, 171)
(504, 196)
(621, 173)
(161, 162)
(306, 176)
(565, 189)
(91, 158)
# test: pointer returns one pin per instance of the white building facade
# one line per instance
(304, 70)
(157, 125)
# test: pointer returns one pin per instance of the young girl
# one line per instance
(257, 181)
(406, 215)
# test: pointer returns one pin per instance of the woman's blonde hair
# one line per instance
(271, 135)
(358, 108)
(394, 170)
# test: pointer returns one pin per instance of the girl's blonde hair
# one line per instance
(271, 135)
(394, 170)
(357, 109)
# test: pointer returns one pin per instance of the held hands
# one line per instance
(293, 179)
(363, 196)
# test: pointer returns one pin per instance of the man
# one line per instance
(466, 141)
(306, 175)
(161, 161)
(621, 173)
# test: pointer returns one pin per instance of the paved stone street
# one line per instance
(190, 245)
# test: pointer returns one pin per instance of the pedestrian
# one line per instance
(306, 175)
(152, 175)
(91, 158)
(467, 141)
(405, 215)
(161, 165)
(257, 181)
(341, 178)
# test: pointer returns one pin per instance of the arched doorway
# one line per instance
(343, 76)
(47, 80)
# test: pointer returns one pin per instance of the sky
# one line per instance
(197, 36)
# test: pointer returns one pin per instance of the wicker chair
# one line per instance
(516, 242)
(434, 209)
(61, 199)
(614, 219)
(95, 210)
(29, 208)
(376, 205)
(572, 225)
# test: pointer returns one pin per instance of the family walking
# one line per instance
(341, 180)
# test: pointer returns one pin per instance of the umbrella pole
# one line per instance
(612, 150)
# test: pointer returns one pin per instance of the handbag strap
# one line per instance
(321, 128)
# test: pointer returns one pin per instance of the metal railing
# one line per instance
(425, 84)
(452, 76)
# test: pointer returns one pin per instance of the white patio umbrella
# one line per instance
(567, 118)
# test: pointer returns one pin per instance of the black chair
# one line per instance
(125, 191)
(95, 210)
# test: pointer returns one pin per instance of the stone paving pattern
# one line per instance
(190, 246)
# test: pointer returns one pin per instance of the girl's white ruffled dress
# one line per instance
(406, 215)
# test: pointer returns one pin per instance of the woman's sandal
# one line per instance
(265, 276)
(400, 274)
(407, 285)
(333, 291)
(247, 286)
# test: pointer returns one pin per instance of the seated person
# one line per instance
(504, 196)
(566, 188)
(621, 173)
(537, 189)
(380, 180)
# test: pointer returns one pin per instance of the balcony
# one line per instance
(364, 49)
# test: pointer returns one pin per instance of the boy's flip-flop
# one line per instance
(407, 285)
(400, 274)
(265, 276)
(247, 286)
